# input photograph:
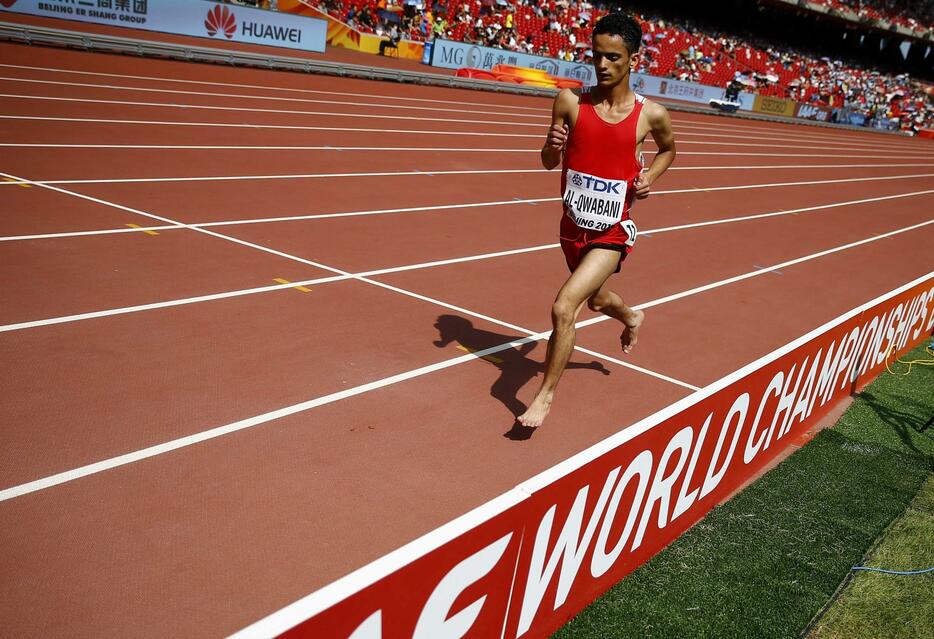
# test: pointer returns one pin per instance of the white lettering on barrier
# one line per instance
(712, 479)
(773, 389)
(602, 561)
(802, 407)
(434, 622)
(890, 331)
(660, 492)
(824, 388)
(930, 324)
(372, 628)
(785, 404)
(847, 351)
(868, 346)
(685, 499)
(569, 549)
(877, 352)
(921, 315)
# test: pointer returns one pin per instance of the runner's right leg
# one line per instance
(589, 277)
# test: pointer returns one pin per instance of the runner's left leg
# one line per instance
(609, 303)
(593, 271)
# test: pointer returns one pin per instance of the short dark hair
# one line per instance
(622, 25)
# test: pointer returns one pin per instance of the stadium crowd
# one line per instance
(671, 48)
(911, 14)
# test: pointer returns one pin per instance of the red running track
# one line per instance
(190, 444)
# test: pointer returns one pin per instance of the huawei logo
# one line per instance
(221, 20)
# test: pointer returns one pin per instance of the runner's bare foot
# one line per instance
(631, 333)
(537, 412)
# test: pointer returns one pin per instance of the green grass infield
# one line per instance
(770, 559)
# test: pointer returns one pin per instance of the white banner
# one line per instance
(688, 91)
(457, 55)
(197, 18)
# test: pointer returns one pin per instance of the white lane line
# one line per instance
(681, 142)
(905, 145)
(208, 107)
(413, 209)
(682, 120)
(300, 112)
(809, 182)
(287, 256)
(681, 135)
(290, 127)
(767, 269)
(432, 172)
(217, 147)
(812, 136)
(183, 442)
(760, 216)
(270, 88)
(295, 176)
(190, 147)
(374, 105)
(412, 267)
(261, 289)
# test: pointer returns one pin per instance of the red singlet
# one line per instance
(597, 176)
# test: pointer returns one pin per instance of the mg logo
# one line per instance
(474, 55)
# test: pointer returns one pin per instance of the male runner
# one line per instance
(598, 133)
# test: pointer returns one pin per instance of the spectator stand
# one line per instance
(560, 29)
(365, 25)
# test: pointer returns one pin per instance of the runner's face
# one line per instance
(611, 59)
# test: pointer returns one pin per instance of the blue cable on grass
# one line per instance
(893, 572)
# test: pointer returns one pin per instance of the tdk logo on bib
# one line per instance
(596, 185)
(593, 202)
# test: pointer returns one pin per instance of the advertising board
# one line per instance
(523, 564)
(198, 18)
(774, 106)
(813, 112)
(447, 54)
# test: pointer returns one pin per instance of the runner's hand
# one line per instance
(557, 136)
(643, 185)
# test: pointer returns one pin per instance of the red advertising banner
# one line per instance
(812, 112)
(523, 564)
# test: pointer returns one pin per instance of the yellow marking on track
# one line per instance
(17, 182)
(298, 288)
(489, 358)
(137, 226)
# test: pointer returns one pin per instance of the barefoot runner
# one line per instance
(598, 133)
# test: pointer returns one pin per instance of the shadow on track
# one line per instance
(516, 369)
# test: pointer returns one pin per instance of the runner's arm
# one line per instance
(558, 132)
(664, 137)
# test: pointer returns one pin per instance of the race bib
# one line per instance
(595, 203)
(630, 227)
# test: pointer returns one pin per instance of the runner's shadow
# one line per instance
(516, 369)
